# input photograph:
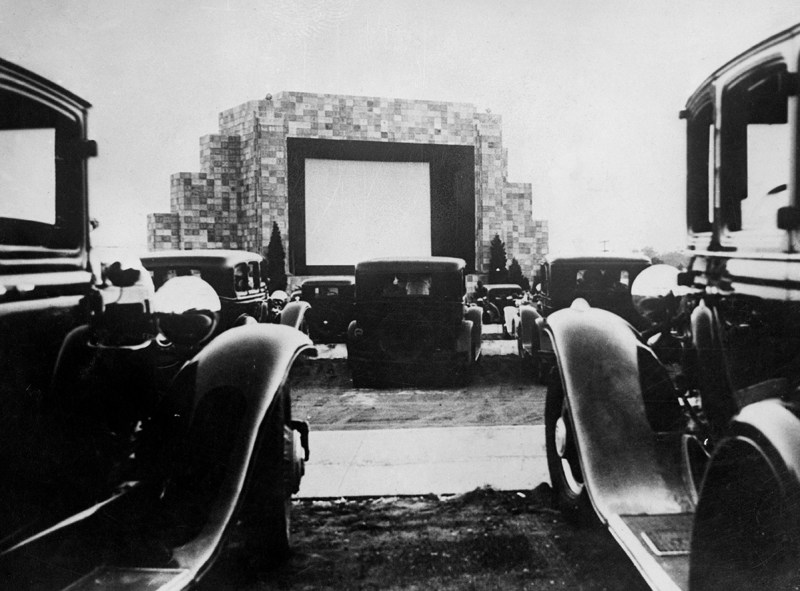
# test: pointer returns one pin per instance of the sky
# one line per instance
(589, 92)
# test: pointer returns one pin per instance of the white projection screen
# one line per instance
(357, 210)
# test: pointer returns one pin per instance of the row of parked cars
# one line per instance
(144, 428)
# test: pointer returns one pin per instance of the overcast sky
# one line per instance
(588, 91)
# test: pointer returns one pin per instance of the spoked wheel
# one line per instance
(569, 490)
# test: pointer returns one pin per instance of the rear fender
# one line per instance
(464, 341)
(474, 314)
(626, 467)
(224, 394)
(529, 317)
(748, 516)
(294, 313)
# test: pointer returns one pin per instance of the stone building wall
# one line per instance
(242, 187)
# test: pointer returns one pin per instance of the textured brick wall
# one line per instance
(242, 186)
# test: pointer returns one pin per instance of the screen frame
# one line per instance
(452, 193)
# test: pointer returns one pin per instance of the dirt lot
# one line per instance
(501, 393)
(481, 540)
(485, 539)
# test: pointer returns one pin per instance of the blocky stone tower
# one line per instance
(244, 181)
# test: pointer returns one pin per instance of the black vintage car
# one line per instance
(234, 274)
(683, 438)
(117, 470)
(332, 305)
(496, 298)
(602, 281)
(411, 322)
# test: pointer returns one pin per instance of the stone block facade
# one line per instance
(242, 187)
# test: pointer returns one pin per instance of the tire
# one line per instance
(361, 377)
(266, 519)
(569, 491)
(542, 370)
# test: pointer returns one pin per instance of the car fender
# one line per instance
(529, 318)
(748, 516)
(625, 467)
(294, 313)
(245, 366)
(464, 340)
(510, 318)
(474, 314)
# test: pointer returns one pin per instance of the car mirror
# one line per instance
(187, 309)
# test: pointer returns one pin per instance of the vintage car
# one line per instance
(603, 281)
(495, 299)
(332, 302)
(236, 277)
(133, 446)
(411, 324)
(684, 438)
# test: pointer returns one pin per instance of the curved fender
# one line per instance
(474, 314)
(626, 469)
(529, 317)
(464, 340)
(294, 313)
(748, 518)
(510, 316)
(254, 361)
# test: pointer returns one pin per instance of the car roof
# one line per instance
(732, 63)
(411, 265)
(599, 259)
(491, 286)
(210, 257)
(331, 280)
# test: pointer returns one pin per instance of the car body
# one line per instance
(133, 444)
(603, 281)
(236, 277)
(494, 301)
(332, 302)
(234, 274)
(684, 438)
(411, 322)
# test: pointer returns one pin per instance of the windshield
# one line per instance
(755, 150)
(41, 175)
(400, 285)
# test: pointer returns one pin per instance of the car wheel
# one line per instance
(542, 369)
(359, 376)
(569, 490)
(266, 519)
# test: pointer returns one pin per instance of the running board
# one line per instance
(106, 577)
(658, 545)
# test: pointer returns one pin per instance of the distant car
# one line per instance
(234, 274)
(236, 277)
(332, 302)
(136, 446)
(497, 297)
(411, 322)
(603, 281)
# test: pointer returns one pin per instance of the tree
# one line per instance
(497, 261)
(276, 261)
(515, 275)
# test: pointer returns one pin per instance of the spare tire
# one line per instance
(405, 337)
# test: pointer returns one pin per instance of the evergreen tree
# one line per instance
(276, 261)
(515, 275)
(497, 261)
